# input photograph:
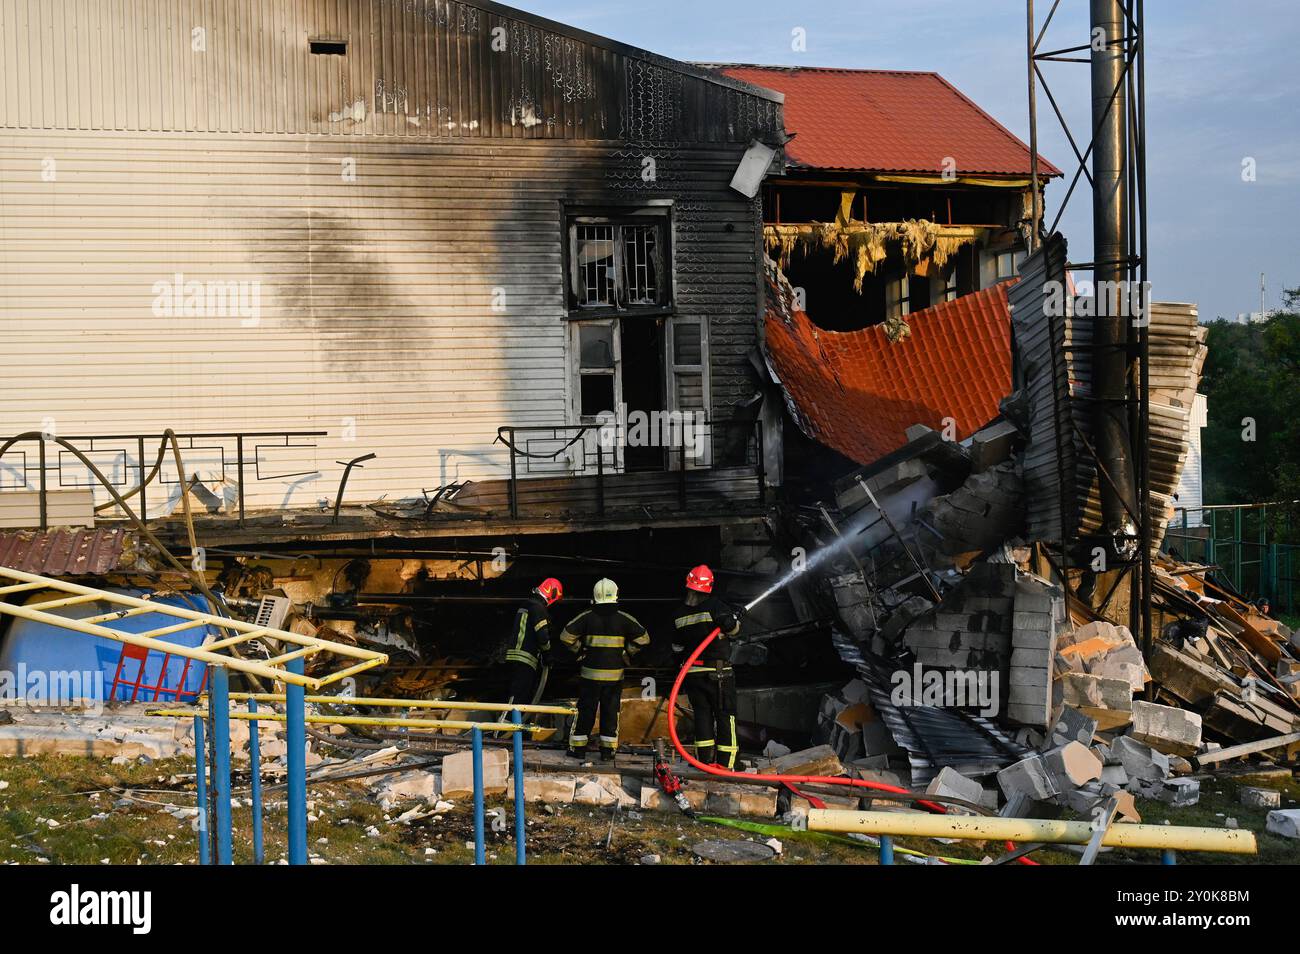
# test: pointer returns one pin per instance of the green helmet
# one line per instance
(605, 591)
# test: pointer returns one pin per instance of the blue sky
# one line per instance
(1222, 86)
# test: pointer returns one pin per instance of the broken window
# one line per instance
(1007, 263)
(906, 294)
(688, 382)
(640, 264)
(594, 257)
(897, 302)
(619, 262)
(596, 369)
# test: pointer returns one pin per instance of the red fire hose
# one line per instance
(778, 779)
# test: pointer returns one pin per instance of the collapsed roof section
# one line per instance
(859, 391)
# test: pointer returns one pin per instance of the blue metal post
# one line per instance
(480, 854)
(1167, 857)
(520, 849)
(886, 849)
(295, 712)
(255, 764)
(219, 713)
(201, 791)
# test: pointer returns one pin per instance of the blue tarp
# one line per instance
(41, 661)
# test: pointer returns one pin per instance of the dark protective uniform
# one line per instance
(711, 683)
(530, 639)
(605, 639)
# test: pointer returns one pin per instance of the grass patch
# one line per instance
(122, 814)
(1220, 801)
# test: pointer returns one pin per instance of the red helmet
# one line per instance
(550, 590)
(700, 579)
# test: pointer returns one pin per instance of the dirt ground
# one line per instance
(66, 810)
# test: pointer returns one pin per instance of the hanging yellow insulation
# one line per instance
(922, 244)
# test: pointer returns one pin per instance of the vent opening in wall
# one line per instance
(329, 47)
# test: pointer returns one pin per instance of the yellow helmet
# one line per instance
(605, 591)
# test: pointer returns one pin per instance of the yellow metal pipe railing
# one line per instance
(176, 628)
(133, 606)
(1048, 831)
(222, 622)
(296, 654)
(235, 640)
(64, 601)
(120, 614)
(362, 720)
(412, 703)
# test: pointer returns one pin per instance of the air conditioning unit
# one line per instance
(272, 612)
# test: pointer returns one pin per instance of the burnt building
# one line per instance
(444, 287)
(899, 193)
(433, 231)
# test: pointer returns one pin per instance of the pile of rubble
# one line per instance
(994, 671)
(941, 595)
(126, 731)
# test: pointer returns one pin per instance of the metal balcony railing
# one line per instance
(136, 466)
(699, 462)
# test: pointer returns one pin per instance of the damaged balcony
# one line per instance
(595, 470)
(676, 471)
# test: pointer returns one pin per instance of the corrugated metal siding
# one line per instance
(1056, 363)
(417, 68)
(63, 552)
(1045, 367)
(376, 319)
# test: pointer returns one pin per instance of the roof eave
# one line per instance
(795, 165)
(595, 39)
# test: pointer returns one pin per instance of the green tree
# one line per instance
(1252, 383)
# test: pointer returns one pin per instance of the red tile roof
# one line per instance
(62, 552)
(858, 392)
(888, 121)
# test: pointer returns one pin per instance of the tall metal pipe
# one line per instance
(219, 717)
(295, 712)
(1111, 271)
(1036, 195)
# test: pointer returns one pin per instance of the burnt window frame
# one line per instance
(657, 215)
(903, 279)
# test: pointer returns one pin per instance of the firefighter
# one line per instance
(605, 639)
(532, 640)
(711, 683)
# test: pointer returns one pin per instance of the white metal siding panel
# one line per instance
(225, 166)
(1190, 493)
(63, 508)
(375, 296)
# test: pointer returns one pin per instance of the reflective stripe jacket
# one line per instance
(605, 639)
(531, 634)
(692, 623)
